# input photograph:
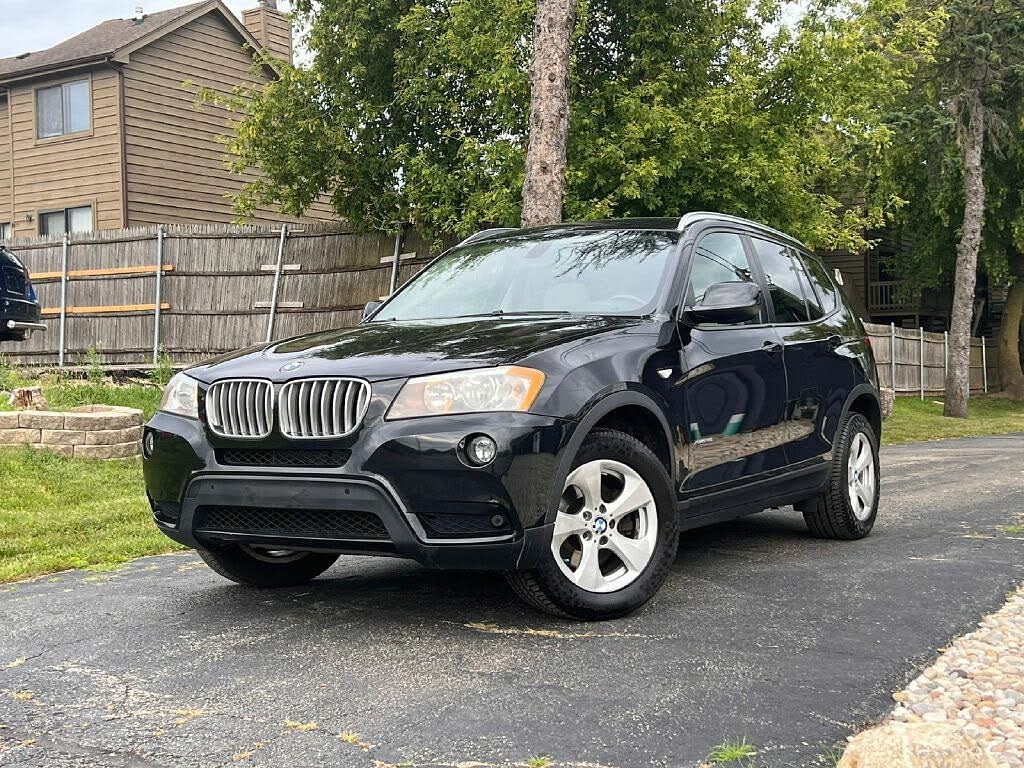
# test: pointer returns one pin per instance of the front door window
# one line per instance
(719, 258)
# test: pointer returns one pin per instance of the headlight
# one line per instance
(181, 396)
(509, 388)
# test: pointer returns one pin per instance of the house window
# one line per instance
(5, 230)
(62, 109)
(66, 220)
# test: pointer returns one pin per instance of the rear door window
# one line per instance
(783, 275)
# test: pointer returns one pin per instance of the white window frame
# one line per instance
(66, 211)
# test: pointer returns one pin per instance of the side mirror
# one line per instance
(370, 308)
(727, 303)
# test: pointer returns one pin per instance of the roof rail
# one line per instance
(485, 233)
(693, 217)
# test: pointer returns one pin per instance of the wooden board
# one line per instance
(50, 311)
(148, 269)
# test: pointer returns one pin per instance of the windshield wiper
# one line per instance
(524, 313)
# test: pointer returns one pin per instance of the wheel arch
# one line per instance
(627, 410)
(863, 399)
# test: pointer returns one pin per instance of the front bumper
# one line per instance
(403, 491)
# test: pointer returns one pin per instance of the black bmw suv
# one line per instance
(557, 403)
(19, 306)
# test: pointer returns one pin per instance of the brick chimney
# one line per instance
(271, 29)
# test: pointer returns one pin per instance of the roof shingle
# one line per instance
(105, 39)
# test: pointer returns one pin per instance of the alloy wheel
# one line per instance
(606, 529)
(861, 480)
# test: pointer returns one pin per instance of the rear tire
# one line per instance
(614, 538)
(254, 567)
(847, 508)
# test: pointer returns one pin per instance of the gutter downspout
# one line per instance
(10, 156)
(121, 127)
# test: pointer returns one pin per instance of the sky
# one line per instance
(23, 28)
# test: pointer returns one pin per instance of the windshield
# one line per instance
(591, 273)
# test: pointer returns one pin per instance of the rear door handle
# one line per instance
(835, 341)
(772, 347)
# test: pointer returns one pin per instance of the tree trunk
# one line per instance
(958, 380)
(544, 185)
(1011, 375)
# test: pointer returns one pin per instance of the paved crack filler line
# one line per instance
(494, 629)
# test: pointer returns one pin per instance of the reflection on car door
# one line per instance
(732, 391)
(819, 370)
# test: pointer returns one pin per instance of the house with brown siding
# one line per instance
(101, 131)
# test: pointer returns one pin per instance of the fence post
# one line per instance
(920, 356)
(158, 291)
(63, 300)
(399, 239)
(277, 282)
(892, 357)
(945, 356)
(984, 367)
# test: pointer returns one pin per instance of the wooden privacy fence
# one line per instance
(194, 291)
(921, 358)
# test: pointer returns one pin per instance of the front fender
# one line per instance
(597, 408)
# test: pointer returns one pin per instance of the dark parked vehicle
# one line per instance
(19, 307)
(557, 403)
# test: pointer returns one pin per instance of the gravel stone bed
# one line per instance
(977, 684)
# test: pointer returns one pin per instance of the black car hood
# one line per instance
(389, 350)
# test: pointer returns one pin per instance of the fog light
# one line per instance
(481, 450)
(148, 443)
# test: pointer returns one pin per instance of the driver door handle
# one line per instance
(772, 347)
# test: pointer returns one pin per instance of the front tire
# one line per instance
(257, 567)
(848, 506)
(615, 534)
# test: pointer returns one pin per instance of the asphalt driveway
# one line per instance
(761, 632)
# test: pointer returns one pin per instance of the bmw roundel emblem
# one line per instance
(294, 365)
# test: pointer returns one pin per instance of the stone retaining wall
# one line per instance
(89, 431)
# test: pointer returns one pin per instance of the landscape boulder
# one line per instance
(915, 745)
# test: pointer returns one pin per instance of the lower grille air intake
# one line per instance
(283, 457)
(439, 525)
(297, 523)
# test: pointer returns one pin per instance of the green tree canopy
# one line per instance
(978, 60)
(417, 111)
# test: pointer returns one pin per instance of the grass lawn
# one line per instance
(65, 395)
(914, 420)
(58, 513)
(62, 393)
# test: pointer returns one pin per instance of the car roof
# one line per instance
(663, 224)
